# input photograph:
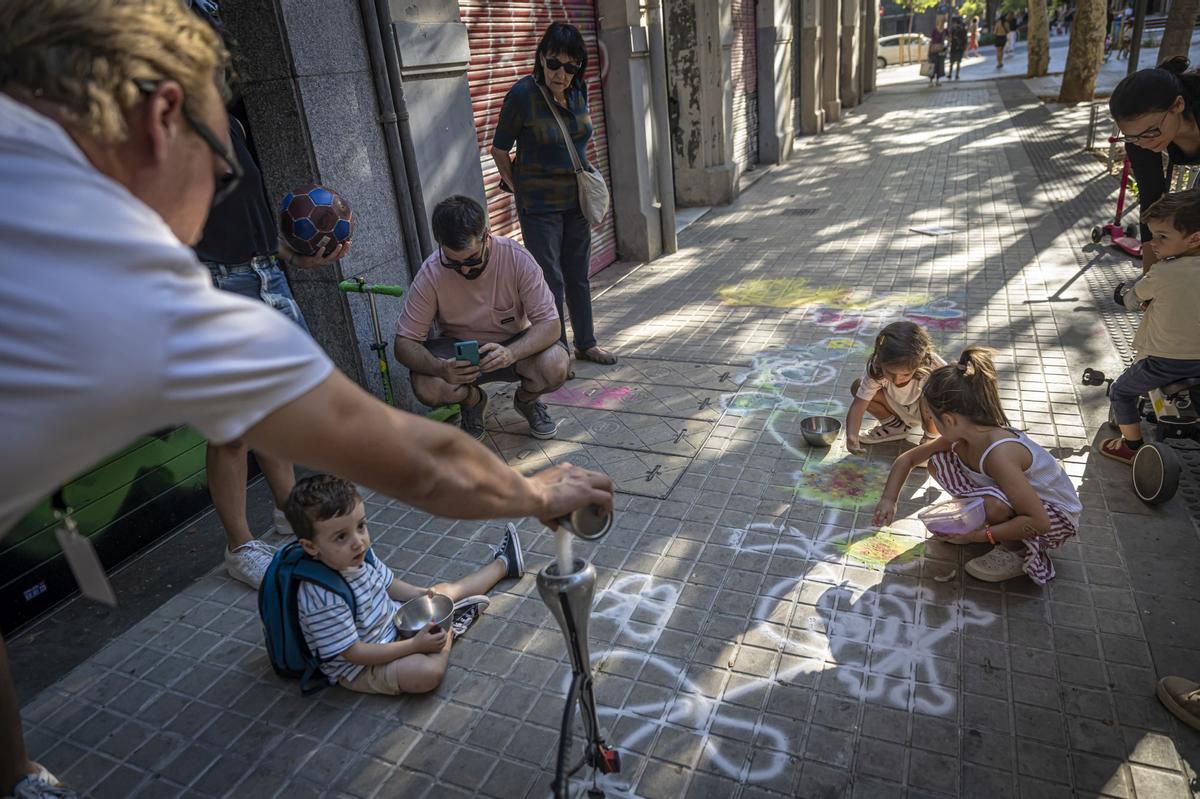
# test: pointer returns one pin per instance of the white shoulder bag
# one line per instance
(593, 194)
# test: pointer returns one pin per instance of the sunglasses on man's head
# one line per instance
(553, 64)
(225, 182)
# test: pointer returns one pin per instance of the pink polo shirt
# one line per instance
(508, 297)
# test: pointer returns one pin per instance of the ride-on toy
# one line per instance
(1124, 238)
(1173, 410)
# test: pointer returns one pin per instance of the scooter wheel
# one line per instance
(1097, 235)
(1155, 473)
(1112, 418)
(1132, 231)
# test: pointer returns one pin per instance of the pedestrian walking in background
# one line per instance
(937, 52)
(958, 46)
(543, 179)
(1000, 32)
(973, 37)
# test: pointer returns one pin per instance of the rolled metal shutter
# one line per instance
(503, 36)
(744, 73)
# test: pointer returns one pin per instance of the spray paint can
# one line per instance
(590, 523)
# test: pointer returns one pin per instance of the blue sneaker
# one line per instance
(510, 552)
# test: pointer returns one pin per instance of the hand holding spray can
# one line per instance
(591, 523)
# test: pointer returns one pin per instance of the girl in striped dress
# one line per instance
(1032, 507)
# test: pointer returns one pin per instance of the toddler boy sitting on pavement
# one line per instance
(360, 650)
(1168, 339)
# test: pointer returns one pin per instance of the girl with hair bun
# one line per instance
(1031, 503)
(1157, 111)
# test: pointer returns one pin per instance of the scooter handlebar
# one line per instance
(362, 287)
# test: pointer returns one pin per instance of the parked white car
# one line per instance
(902, 48)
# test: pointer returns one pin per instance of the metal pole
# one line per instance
(662, 129)
(1135, 46)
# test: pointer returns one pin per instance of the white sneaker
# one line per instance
(249, 562)
(996, 566)
(41, 785)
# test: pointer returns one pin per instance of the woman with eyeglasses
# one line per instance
(542, 176)
(1157, 111)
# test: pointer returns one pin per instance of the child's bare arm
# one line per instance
(854, 417)
(885, 511)
(424, 642)
(1007, 466)
(402, 591)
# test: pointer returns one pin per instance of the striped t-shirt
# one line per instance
(330, 629)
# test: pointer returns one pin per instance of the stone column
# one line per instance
(831, 35)
(776, 119)
(851, 65)
(434, 54)
(699, 35)
(314, 117)
(628, 101)
(870, 44)
(812, 108)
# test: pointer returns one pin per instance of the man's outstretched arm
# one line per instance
(342, 429)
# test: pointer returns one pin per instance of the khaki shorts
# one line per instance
(381, 679)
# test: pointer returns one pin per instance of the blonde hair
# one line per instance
(968, 388)
(84, 56)
(902, 344)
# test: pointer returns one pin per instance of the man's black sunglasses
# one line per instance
(474, 260)
(225, 182)
(553, 64)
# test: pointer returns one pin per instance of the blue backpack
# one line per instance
(278, 606)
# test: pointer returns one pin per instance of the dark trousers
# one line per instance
(1148, 373)
(561, 243)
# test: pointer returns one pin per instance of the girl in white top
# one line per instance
(1031, 504)
(890, 388)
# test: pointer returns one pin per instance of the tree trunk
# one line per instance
(1177, 38)
(1039, 40)
(1085, 53)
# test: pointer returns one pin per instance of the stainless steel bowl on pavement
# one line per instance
(820, 431)
(418, 613)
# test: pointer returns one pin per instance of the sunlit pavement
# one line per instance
(752, 634)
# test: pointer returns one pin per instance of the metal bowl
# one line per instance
(820, 431)
(417, 614)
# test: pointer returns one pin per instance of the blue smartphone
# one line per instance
(467, 351)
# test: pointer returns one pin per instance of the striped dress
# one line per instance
(1046, 477)
(330, 629)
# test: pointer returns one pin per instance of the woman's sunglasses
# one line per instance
(553, 64)
(224, 182)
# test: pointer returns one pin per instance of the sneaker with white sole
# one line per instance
(541, 423)
(510, 550)
(996, 566)
(249, 562)
(470, 417)
(1182, 698)
(891, 429)
(466, 613)
(41, 784)
(283, 528)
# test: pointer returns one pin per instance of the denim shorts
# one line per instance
(266, 284)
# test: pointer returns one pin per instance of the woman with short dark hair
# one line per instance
(1157, 110)
(543, 179)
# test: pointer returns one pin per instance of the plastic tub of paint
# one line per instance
(955, 517)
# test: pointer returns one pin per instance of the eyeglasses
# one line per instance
(553, 64)
(474, 260)
(1148, 133)
(225, 182)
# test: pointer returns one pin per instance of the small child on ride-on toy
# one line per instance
(1167, 341)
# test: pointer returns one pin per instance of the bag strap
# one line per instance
(563, 127)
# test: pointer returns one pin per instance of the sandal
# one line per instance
(1118, 450)
(892, 429)
(595, 355)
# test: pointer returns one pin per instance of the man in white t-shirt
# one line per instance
(114, 141)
